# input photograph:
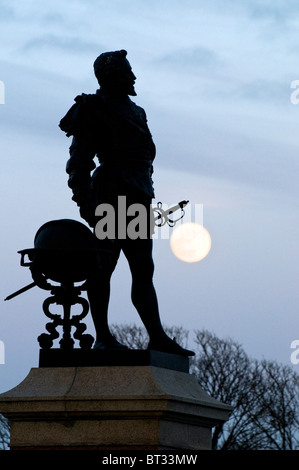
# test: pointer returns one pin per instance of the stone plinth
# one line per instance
(110, 407)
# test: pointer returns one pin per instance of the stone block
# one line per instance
(111, 407)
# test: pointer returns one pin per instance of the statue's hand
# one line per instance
(87, 213)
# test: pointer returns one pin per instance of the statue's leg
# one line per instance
(144, 298)
(98, 292)
(139, 255)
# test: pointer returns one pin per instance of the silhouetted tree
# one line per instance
(136, 337)
(225, 372)
(277, 413)
(264, 394)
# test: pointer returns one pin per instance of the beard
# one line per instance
(119, 87)
(131, 91)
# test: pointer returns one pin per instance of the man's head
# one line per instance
(114, 73)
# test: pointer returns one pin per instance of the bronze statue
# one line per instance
(109, 126)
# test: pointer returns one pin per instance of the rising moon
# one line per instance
(190, 242)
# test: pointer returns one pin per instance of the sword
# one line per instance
(163, 216)
(20, 291)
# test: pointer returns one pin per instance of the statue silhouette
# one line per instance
(109, 126)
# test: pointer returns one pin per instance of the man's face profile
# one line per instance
(114, 73)
(124, 78)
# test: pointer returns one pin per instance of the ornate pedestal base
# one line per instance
(133, 407)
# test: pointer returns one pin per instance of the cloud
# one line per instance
(6, 12)
(53, 18)
(72, 44)
(259, 91)
(191, 58)
(213, 93)
(278, 11)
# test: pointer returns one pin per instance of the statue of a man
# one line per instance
(109, 126)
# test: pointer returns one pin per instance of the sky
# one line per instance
(215, 79)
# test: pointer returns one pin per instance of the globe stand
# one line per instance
(65, 252)
(67, 296)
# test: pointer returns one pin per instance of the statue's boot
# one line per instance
(109, 342)
(169, 345)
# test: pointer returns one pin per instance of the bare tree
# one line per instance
(225, 372)
(277, 413)
(137, 338)
(264, 396)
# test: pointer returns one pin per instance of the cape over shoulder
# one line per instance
(78, 116)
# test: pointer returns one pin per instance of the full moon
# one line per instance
(190, 242)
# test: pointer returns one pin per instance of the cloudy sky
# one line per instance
(215, 80)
